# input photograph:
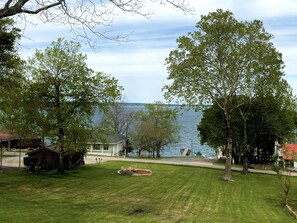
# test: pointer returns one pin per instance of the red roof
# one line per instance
(289, 152)
(8, 135)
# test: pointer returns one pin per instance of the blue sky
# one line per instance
(139, 63)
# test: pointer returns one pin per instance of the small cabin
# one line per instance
(48, 159)
(112, 146)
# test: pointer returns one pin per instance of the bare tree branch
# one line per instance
(19, 7)
(60, 2)
(180, 4)
(7, 4)
(14, 7)
(84, 17)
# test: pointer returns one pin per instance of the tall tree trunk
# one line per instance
(61, 161)
(158, 150)
(61, 133)
(61, 151)
(158, 153)
(245, 163)
(228, 163)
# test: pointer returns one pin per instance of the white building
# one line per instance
(114, 146)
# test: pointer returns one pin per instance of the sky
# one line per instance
(139, 64)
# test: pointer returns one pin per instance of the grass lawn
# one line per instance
(96, 193)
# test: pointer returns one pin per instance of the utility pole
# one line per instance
(192, 147)
(126, 136)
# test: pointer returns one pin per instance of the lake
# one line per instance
(188, 120)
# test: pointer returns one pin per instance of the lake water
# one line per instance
(188, 120)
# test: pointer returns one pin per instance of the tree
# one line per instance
(11, 66)
(63, 94)
(116, 119)
(255, 125)
(10, 62)
(211, 128)
(156, 126)
(140, 136)
(83, 18)
(8, 50)
(222, 59)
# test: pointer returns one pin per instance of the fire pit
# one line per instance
(135, 172)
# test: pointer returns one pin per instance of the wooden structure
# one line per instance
(48, 159)
(9, 139)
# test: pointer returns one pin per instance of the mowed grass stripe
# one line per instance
(96, 193)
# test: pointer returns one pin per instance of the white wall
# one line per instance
(113, 149)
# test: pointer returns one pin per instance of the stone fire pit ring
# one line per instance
(135, 172)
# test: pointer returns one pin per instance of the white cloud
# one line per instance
(141, 72)
(139, 64)
(253, 9)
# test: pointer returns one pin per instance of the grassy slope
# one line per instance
(171, 194)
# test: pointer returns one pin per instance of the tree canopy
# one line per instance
(155, 127)
(11, 67)
(223, 58)
(116, 119)
(263, 121)
(9, 58)
(61, 96)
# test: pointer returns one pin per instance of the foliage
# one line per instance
(171, 194)
(62, 96)
(223, 58)
(267, 120)
(155, 127)
(116, 119)
(278, 166)
(11, 68)
(212, 127)
(9, 36)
